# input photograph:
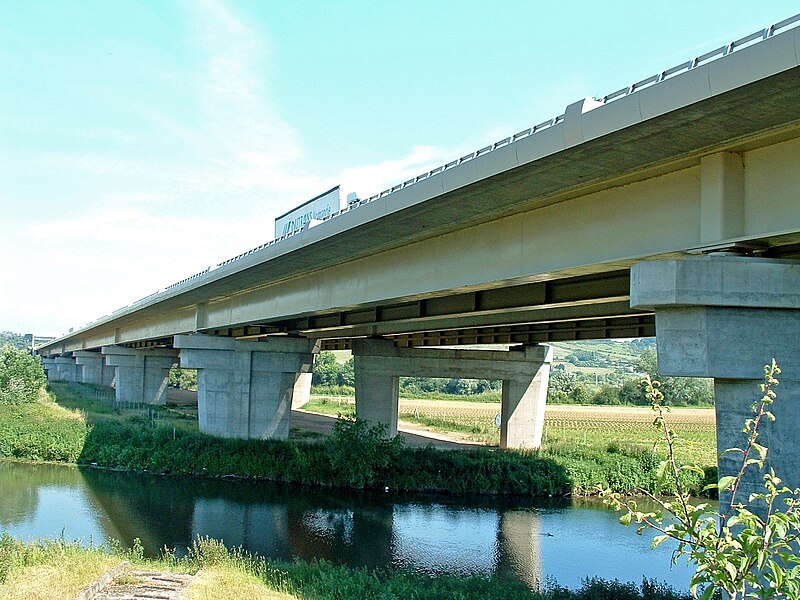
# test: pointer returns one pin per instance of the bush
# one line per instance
(360, 453)
(21, 376)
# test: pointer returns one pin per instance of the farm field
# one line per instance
(602, 426)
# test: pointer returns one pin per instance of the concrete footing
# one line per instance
(245, 389)
(141, 375)
(524, 371)
(94, 368)
(726, 317)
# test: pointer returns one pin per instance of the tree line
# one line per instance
(565, 387)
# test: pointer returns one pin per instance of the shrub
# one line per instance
(360, 453)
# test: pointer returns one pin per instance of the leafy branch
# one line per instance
(748, 551)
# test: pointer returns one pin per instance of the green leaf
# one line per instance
(725, 483)
(658, 540)
(625, 519)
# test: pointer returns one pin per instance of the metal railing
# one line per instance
(107, 397)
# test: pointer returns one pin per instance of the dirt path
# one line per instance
(318, 423)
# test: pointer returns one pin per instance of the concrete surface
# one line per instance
(245, 389)
(524, 372)
(726, 317)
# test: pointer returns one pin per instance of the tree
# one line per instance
(751, 549)
(347, 374)
(14, 339)
(561, 385)
(678, 391)
(326, 369)
(185, 379)
(21, 376)
(633, 392)
(607, 395)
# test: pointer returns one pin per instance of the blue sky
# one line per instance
(143, 141)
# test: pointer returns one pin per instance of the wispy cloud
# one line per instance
(371, 179)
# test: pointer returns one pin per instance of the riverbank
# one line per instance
(354, 456)
(59, 570)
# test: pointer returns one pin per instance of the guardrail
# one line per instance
(715, 54)
(710, 56)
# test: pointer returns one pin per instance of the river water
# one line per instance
(531, 541)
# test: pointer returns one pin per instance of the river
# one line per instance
(566, 540)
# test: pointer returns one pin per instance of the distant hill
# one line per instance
(601, 355)
(23, 342)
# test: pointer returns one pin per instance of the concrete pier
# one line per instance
(524, 371)
(302, 390)
(726, 317)
(141, 375)
(67, 369)
(50, 368)
(95, 369)
(245, 389)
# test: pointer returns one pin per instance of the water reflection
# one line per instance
(528, 541)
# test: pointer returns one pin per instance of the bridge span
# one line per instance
(670, 207)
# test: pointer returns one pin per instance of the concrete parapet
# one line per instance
(141, 375)
(726, 317)
(245, 389)
(524, 371)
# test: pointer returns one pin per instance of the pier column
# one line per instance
(302, 390)
(726, 317)
(50, 368)
(245, 389)
(141, 375)
(94, 367)
(524, 371)
(67, 369)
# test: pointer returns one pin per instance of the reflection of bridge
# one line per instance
(283, 523)
(666, 207)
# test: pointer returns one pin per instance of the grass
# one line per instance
(41, 431)
(56, 570)
(567, 425)
(354, 456)
(226, 582)
(49, 569)
(83, 398)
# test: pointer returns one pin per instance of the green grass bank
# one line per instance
(355, 456)
(59, 570)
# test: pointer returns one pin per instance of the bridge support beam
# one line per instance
(141, 375)
(94, 368)
(50, 368)
(524, 370)
(245, 389)
(726, 317)
(67, 369)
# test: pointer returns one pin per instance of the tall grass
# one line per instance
(58, 570)
(41, 431)
(48, 569)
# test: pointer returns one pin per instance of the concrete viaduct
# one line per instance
(670, 208)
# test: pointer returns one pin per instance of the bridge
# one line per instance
(670, 207)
